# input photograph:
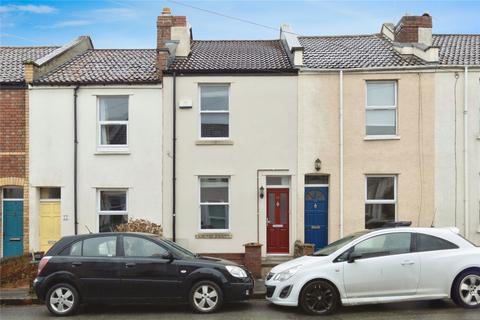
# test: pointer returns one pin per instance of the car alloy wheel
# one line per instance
(469, 290)
(319, 297)
(206, 297)
(62, 300)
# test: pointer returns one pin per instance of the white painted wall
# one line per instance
(51, 154)
(263, 130)
(449, 207)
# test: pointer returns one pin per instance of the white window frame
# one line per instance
(200, 111)
(111, 147)
(394, 107)
(383, 201)
(110, 212)
(213, 203)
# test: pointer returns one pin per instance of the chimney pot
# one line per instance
(166, 11)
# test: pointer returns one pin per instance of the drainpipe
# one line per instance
(174, 157)
(465, 150)
(75, 152)
(341, 153)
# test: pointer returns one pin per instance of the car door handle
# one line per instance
(407, 263)
(76, 264)
(130, 265)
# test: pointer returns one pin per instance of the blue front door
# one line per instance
(316, 216)
(12, 228)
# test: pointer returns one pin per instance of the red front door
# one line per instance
(277, 221)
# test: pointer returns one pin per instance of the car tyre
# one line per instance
(319, 297)
(62, 300)
(206, 297)
(466, 289)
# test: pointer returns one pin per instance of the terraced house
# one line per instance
(14, 151)
(272, 142)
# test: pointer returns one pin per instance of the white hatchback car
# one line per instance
(379, 266)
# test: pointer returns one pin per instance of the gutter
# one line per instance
(399, 68)
(174, 158)
(75, 156)
(465, 151)
(341, 152)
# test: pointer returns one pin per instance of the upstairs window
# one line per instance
(214, 111)
(381, 108)
(113, 121)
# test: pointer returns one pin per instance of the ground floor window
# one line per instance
(214, 203)
(380, 200)
(112, 209)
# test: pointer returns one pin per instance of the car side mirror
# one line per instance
(353, 256)
(168, 256)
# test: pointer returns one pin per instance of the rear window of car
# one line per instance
(425, 242)
(75, 249)
(93, 247)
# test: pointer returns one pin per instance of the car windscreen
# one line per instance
(334, 246)
(178, 249)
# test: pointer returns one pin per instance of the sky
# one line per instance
(132, 23)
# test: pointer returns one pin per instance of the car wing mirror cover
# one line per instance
(354, 256)
(168, 256)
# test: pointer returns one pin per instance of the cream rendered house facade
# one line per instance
(457, 143)
(95, 144)
(230, 143)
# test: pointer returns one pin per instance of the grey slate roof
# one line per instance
(458, 49)
(12, 59)
(107, 66)
(344, 52)
(376, 51)
(210, 56)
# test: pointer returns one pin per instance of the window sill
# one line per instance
(213, 142)
(112, 151)
(392, 137)
(213, 235)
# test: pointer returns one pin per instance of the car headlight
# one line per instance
(286, 274)
(237, 272)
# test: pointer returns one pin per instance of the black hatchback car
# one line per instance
(135, 268)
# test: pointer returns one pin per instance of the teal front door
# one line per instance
(12, 228)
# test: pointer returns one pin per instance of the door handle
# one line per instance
(407, 263)
(76, 264)
(130, 265)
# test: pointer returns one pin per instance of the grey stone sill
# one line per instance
(213, 235)
(374, 138)
(112, 152)
(214, 142)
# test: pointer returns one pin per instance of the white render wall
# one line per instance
(51, 154)
(450, 208)
(263, 130)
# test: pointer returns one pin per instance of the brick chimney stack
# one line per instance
(173, 38)
(414, 29)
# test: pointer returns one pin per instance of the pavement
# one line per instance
(16, 296)
(254, 309)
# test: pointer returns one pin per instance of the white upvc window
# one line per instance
(214, 204)
(380, 200)
(113, 122)
(112, 208)
(214, 111)
(381, 108)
